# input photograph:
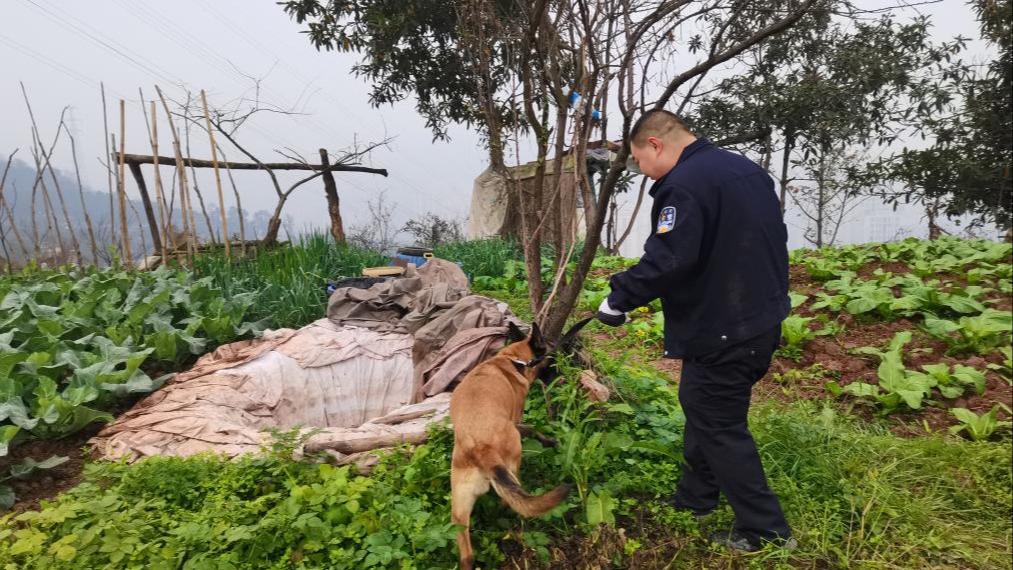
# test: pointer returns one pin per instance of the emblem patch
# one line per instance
(666, 219)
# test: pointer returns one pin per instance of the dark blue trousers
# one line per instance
(720, 453)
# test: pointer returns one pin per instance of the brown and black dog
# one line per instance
(486, 410)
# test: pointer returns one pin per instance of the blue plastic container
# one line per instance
(417, 255)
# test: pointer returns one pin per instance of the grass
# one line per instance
(856, 495)
(291, 280)
(486, 257)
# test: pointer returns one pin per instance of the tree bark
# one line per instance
(789, 144)
(333, 200)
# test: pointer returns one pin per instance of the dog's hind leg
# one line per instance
(466, 485)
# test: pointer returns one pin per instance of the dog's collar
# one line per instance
(527, 363)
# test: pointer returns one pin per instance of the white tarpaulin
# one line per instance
(357, 387)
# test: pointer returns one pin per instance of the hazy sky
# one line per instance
(61, 50)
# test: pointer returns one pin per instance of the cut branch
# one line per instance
(200, 163)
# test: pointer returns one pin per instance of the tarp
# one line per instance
(373, 374)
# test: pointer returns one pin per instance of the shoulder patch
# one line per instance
(666, 219)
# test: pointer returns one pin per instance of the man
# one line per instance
(717, 258)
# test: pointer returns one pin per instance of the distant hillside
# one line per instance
(17, 194)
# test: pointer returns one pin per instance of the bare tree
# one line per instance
(227, 121)
(3, 208)
(431, 230)
(80, 195)
(377, 234)
(576, 47)
(827, 197)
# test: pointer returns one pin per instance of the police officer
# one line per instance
(717, 258)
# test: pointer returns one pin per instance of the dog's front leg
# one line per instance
(528, 431)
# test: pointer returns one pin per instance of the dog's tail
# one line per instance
(509, 489)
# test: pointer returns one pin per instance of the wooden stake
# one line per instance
(333, 202)
(218, 176)
(159, 196)
(127, 254)
(185, 211)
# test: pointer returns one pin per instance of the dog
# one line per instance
(485, 410)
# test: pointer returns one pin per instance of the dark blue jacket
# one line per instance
(717, 256)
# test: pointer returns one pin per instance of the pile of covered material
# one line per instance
(374, 373)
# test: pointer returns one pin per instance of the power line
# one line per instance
(146, 68)
(208, 55)
(49, 62)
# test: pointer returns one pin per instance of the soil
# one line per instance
(47, 484)
(43, 485)
(834, 355)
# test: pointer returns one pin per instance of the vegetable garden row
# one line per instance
(882, 337)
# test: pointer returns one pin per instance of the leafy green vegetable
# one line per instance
(75, 342)
(978, 427)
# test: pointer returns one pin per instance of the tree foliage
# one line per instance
(410, 48)
(966, 168)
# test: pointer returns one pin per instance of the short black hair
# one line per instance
(656, 123)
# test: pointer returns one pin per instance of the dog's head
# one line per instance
(526, 351)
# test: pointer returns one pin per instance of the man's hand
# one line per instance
(610, 316)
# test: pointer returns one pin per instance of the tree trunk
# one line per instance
(554, 209)
(789, 144)
(567, 298)
(768, 152)
(274, 224)
(821, 205)
(333, 201)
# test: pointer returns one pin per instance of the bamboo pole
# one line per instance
(218, 175)
(239, 204)
(188, 226)
(159, 196)
(193, 174)
(127, 254)
(109, 167)
(84, 208)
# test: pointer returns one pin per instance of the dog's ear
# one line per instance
(514, 333)
(535, 341)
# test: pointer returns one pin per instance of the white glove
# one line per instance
(610, 316)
